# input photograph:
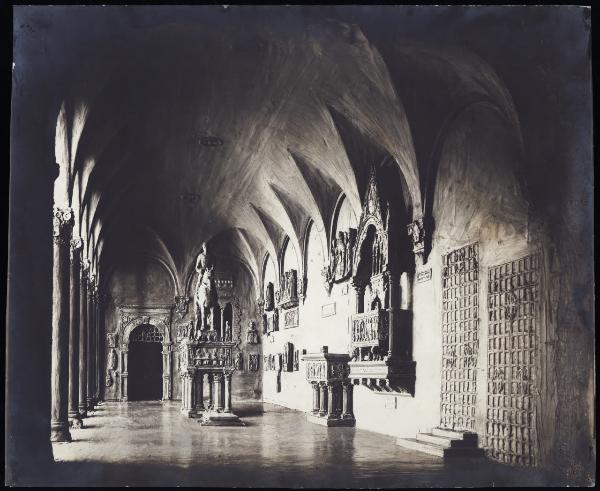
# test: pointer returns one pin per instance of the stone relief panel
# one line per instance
(460, 337)
(513, 296)
(253, 361)
(291, 318)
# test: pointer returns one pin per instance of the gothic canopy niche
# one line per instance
(381, 332)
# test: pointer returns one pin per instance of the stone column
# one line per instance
(59, 376)
(211, 391)
(124, 372)
(222, 324)
(167, 368)
(97, 347)
(315, 386)
(323, 399)
(331, 400)
(218, 382)
(392, 319)
(74, 285)
(83, 359)
(187, 404)
(227, 393)
(90, 345)
(199, 391)
(348, 409)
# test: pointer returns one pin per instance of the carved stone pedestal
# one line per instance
(209, 362)
(332, 390)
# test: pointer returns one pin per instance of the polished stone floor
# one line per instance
(150, 443)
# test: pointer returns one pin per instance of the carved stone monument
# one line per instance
(207, 358)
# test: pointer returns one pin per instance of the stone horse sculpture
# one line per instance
(205, 297)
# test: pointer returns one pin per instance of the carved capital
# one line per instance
(62, 225)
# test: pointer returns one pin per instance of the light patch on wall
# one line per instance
(328, 310)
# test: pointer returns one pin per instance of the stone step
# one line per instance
(466, 436)
(442, 441)
(460, 452)
(419, 446)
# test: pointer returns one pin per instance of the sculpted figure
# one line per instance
(340, 255)
(206, 292)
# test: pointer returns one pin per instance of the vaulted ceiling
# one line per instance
(242, 129)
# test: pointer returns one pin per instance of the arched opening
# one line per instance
(145, 364)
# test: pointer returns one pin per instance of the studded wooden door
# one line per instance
(512, 344)
(460, 337)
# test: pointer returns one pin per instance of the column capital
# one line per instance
(62, 225)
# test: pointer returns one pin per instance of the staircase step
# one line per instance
(464, 453)
(466, 436)
(442, 441)
(414, 444)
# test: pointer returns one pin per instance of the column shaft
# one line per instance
(83, 342)
(199, 390)
(391, 310)
(59, 376)
(90, 348)
(74, 286)
(228, 393)
(323, 400)
(211, 390)
(315, 387)
(218, 382)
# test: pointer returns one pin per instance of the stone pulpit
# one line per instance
(332, 389)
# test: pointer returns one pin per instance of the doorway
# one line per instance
(145, 364)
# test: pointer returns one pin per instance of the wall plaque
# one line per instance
(328, 310)
(423, 276)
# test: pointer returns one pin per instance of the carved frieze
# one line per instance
(370, 328)
(316, 370)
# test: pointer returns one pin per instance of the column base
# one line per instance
(330, 420)
(191, 413)
(90, 404)
(82, 411)
(59, 432)
(75, 420)
(214, 418)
